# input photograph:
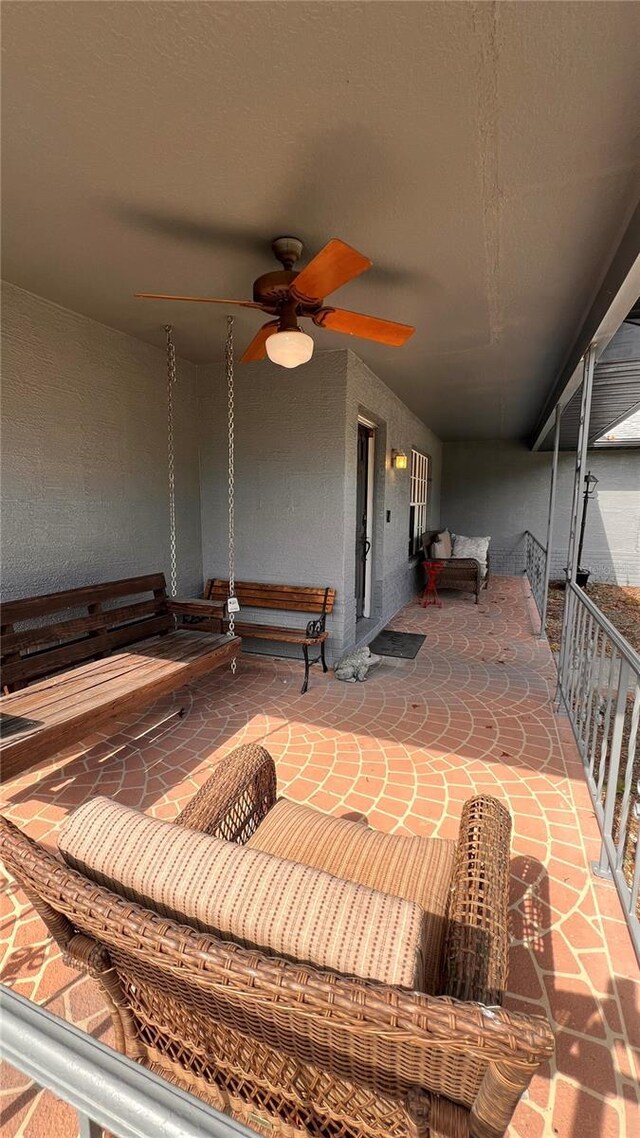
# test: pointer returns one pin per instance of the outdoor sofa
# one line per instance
(291, 1047)
(465, 573)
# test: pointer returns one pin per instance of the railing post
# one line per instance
(635, 885)
(603, 867)
(599, 682)
(552, 510)
(89, 1129)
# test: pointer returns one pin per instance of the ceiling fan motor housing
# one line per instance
(271, 290)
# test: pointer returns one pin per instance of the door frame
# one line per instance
(371, 466)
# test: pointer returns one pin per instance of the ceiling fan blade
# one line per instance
(332, 267)
(367, 327)
(257, 348)
(195, 299)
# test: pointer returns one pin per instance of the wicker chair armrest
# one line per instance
(467, 562)
(477, 944)
(232, 803)
(464, 562)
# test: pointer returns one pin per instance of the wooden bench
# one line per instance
(95, 623)
(287, 598)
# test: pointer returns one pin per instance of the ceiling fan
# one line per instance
(288, 295)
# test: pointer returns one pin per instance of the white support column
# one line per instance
(552, 510)
(581, 460)
(581, 457)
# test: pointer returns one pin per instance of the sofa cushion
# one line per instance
(441, 547)
(476, 547)
(416, 869)
(247, 896)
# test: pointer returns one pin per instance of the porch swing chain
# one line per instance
(228, 355)
(171, 380)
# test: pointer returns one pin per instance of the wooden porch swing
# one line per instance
(66, 701)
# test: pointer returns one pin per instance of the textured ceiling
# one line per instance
(486, 157)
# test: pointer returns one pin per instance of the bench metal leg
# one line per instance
(324, 662)
(305, 683)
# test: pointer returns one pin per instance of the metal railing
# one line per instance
(535, 568)
(108, 1091)
(599, 683)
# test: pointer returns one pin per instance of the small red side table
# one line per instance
(432, 571)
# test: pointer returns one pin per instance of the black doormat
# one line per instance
(403, 644)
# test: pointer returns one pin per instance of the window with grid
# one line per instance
(418, 500)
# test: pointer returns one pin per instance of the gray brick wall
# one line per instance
(84, 454)
(289, 446)
(393, 574)
(296, 448)
(501, 488)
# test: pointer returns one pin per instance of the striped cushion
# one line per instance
(244, 895)
(416, 869)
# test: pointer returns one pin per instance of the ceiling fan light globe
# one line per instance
(289, 349)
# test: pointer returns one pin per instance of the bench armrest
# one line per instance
(318, 626)
(232, 803)
(477, 941)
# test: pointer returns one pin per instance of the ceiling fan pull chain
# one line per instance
(231, 608)
(171, 380)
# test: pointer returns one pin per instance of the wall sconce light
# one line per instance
(399, 460)
(590, 483)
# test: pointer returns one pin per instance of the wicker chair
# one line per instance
(288, 1049)
(463, 573)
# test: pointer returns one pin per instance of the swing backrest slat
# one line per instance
(89, 622)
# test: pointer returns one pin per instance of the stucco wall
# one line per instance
(502, 488)
(296, 449)
(84, 453)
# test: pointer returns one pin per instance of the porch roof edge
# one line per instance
(615, 298)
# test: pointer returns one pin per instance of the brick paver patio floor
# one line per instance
(471, 713)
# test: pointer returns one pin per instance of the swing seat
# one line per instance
(129, 653)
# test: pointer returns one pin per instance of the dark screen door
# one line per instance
(362, 494)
